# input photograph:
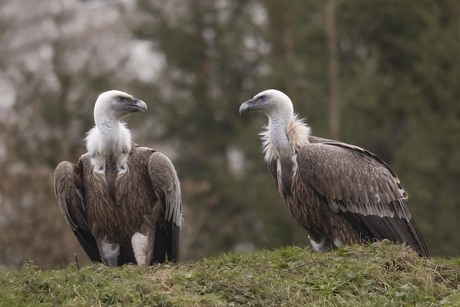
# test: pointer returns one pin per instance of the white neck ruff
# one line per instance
(297, 133)
(108, 140)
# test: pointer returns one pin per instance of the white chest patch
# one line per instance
(139, 243)
(122, 163)
(278, 175)
(338, 243)
(110, 252)
(99, 163)
(318, 246)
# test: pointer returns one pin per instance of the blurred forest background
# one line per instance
(384, 75)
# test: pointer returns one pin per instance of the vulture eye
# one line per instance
(263, 98)
(121, 99)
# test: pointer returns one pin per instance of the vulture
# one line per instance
(121, 200)
(340, 194)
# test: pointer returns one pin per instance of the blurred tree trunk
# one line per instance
(281, 23)
(333, 70)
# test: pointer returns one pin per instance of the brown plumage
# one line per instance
(339, 193)
(122, 201)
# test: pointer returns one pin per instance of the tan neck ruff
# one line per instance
(297, 131)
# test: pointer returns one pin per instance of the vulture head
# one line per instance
(110, 137)
(272, 103)
(113, 105)
(284, 130)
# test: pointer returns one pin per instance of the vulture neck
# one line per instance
(115, 138)
(109, 140)
(283, 136)
(279, 138)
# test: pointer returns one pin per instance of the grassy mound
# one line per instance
(378, 274)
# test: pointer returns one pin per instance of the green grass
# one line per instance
(380, 274)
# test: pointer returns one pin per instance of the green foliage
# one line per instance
(377, 274)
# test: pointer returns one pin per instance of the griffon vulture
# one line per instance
(339, 193)
(122, 201)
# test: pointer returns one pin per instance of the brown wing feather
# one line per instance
(352, 180)
(167, 187)
(69, 191)
(360, 188)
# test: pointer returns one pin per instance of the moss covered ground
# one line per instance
(380, 274)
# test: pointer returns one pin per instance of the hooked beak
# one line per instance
(137, 105)
(247, 107)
